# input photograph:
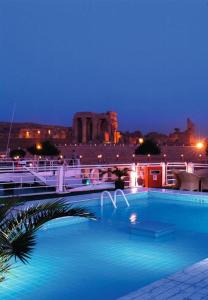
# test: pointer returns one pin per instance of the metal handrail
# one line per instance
(111, 198)
(122, 193)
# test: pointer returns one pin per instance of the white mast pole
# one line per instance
(10, 129)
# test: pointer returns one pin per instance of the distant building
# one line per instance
(89, 127)
(187, 137)
(132, 138)
(25, 134)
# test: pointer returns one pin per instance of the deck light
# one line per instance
(141, 140)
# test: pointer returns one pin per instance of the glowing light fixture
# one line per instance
(39, 146)
(199, 145)
(141, 140)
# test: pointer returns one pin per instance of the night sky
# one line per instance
(145, 59)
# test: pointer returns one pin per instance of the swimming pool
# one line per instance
(106, 259)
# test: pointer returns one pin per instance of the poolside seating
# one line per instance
(178, 182)
(187, 181)
(204, 184)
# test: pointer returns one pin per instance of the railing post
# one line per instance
(133, 176)
(190, 168)
(164, 173)
(60, 180)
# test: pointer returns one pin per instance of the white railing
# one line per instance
(64, 178)
(171, 167)
(60, 179)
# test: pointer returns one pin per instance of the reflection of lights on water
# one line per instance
(133, 218)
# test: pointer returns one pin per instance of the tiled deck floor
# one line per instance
(190, 284)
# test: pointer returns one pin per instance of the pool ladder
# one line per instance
(114, 198)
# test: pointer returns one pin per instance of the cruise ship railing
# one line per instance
(30, 180)
(64, 178)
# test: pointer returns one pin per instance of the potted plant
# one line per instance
(120, 174)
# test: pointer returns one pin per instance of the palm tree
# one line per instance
(19, 224)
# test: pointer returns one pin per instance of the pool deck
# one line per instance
(189, 284)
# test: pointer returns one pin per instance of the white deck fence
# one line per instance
(50, 177)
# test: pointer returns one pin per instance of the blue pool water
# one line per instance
(105, 259)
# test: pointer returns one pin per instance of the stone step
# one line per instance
(152, 228)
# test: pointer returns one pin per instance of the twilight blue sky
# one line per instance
(145, 59)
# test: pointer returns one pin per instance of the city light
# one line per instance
(38, 146)
(199, 145)
(141, 140)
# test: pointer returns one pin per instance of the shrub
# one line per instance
(148, 147)
(17, 153)
(47, 149)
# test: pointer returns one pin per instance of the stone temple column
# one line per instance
(94, 129)
(75, 130)
(84, 130)
(111, 139)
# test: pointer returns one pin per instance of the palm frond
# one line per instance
(6, 205)
(18, 238)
